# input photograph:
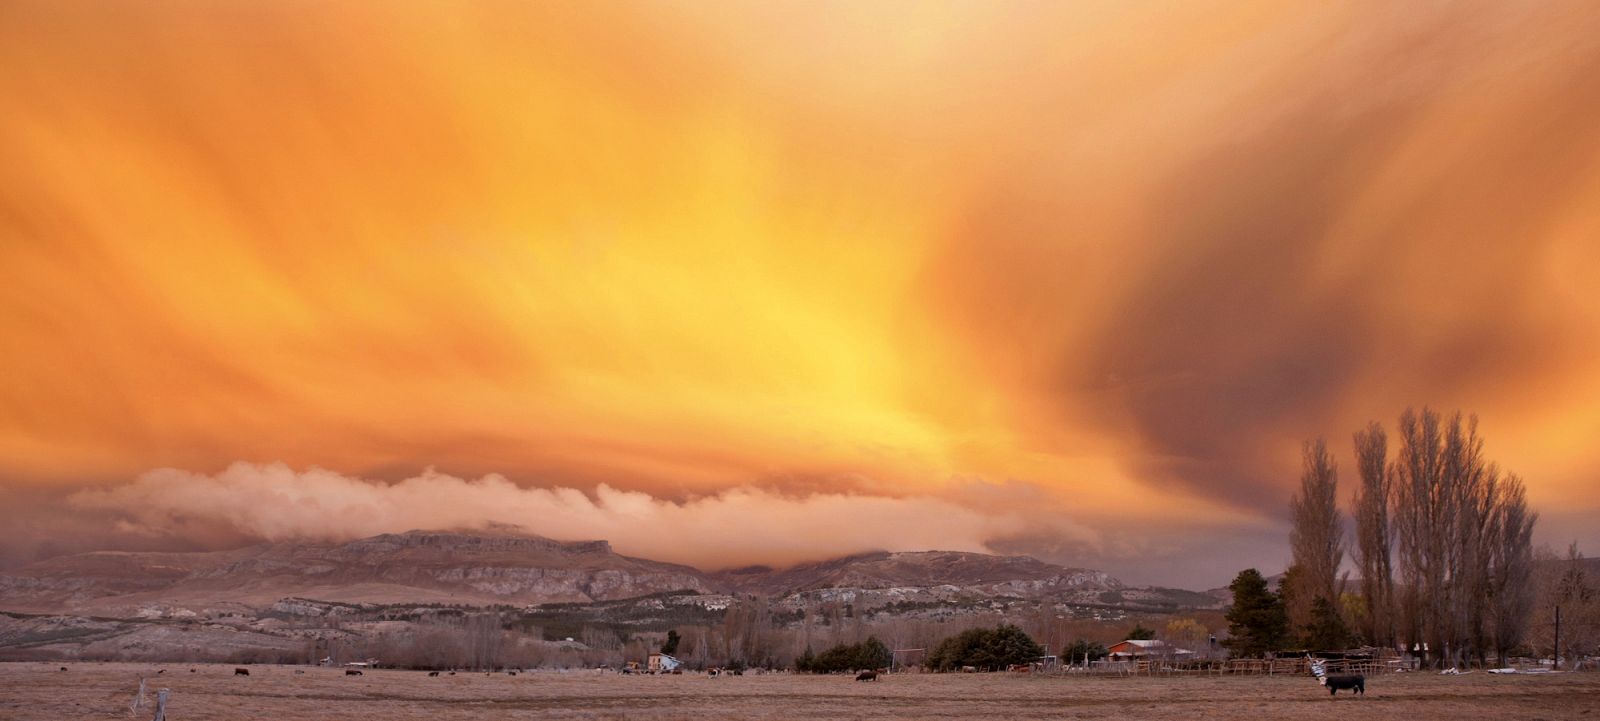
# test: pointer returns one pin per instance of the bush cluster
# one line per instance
(868, 654)
(987, 649)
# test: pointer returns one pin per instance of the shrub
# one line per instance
(870, 653)
(985, 648)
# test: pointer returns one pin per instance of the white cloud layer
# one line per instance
(736, 527)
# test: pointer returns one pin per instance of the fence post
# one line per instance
(138, 701)
(161, 705)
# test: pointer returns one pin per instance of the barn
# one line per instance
(1132, 649)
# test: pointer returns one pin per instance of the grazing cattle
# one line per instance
(161, 671)
(351, 672)
(241, 672)
(63, 668)
(433, 673)
(867, 676)
(1356, 682)
(511, 673)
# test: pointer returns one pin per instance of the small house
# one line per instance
(662, 663)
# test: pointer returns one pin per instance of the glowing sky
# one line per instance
(1072, 279)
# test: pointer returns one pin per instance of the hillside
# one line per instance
(871, 580)
(497, 569)
(420, 567)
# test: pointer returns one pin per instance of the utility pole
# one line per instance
(1557, 664)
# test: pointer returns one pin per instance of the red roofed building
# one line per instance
(1131, 649)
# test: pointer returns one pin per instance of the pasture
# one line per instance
(42, 692)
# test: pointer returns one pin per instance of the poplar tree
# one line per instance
(1316, 539)
(1374, 542)
(1461, 534)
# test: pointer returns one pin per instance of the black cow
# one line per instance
(351, 672)
(433, 673)
(241, 672)
(1355, 682)
(867, 676)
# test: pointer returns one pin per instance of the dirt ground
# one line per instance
(40, 691)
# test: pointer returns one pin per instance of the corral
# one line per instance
(43, 692)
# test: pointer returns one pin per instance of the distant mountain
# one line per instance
(924, 568)
(416, 567)
(876, 579)
(485, 569)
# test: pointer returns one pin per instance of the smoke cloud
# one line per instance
(736, 527)
(785, 274)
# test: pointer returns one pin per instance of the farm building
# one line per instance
(662, 663)
(1133, 648)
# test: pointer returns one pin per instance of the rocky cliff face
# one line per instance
(877, 579)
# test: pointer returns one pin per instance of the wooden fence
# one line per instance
(1244, 666)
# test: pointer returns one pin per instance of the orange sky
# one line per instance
(1061, 266)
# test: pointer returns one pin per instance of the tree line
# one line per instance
(1443, 544)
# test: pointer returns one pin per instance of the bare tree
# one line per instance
(1459, 489)
(1417, 469)
(747, 629)
(1374, 543)
(484, 637)
(1317, 537)
(1479, 536)
(600, 638)
(1511, 568)
(1441, 474)
(1566, 587)
(1461, 528)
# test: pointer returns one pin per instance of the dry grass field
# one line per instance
(42, 692)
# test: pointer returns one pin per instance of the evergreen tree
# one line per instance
(1083, 649)
(985, 648)
(1012, 645)
(873, 654)
(868, 654)
(1327, 631)
(1256, 620)
(671, 645)
(1140, 633)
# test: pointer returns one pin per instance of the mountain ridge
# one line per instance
(497, 568)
